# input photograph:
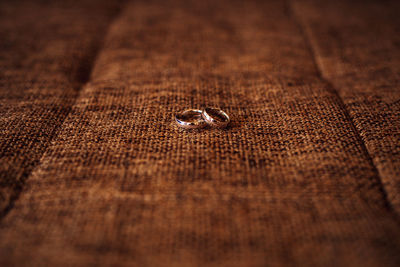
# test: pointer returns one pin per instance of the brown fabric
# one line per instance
(47, 51)
(357, 48)
(293, 181)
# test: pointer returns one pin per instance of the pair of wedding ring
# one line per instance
(195, 118)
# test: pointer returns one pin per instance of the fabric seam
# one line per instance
(334, 91)
(78, 84)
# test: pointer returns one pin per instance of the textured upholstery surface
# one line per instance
(95, 172)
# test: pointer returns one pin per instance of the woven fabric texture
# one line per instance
(95, 172)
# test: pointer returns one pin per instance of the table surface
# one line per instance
(94, 171)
